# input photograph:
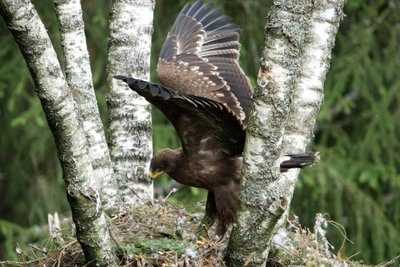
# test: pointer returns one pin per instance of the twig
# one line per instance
(44, 251)
(173, 190)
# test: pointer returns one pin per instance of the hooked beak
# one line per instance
(153, 175)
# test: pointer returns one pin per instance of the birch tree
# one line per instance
(299, 37)
(93, 182)
(131, 26)
(79, 78)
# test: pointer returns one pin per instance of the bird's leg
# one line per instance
(226, 199)
(209, 217)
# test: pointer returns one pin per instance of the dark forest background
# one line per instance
(357, 182)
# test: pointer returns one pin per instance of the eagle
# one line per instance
(207, 97)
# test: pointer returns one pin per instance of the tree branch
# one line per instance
(131, 26)
(79, 78)
(60, 109)
(286, 101)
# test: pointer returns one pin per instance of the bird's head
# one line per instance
(164, 161)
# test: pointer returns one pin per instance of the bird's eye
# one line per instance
(162, 165)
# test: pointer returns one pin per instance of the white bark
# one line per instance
(131, 27)
(79, 79)
(63, 119)
(299, 39)
(309, 91)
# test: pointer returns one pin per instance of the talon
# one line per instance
(202, 241)
(202, 231)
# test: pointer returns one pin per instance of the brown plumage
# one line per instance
(207, 98)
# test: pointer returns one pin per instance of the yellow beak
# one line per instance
(153, 175)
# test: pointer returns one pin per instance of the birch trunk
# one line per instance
(299, 39)
(79, 78)
(131, 27)
(61, 112)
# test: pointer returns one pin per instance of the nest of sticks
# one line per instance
(162, 234)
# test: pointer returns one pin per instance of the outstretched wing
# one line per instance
(200, 57)
(203, 125)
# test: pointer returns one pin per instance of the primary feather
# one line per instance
(200, 57)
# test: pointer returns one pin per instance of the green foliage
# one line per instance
(27, 154)
(142, 246)
(357, 181)
(16, 236)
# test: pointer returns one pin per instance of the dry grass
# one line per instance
(158, 235)
(296, 245)
(163, 235)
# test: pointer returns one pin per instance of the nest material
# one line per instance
(162, 234)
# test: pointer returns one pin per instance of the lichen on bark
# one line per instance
(129, 114)
(61, 112)
(79, 78)
(284, 111)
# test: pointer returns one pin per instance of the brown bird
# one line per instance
(207, 98)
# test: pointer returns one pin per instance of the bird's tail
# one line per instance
(299, 160)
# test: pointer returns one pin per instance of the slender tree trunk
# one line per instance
(79, 78)
(298, 43)
(130, 118)
(63, 118)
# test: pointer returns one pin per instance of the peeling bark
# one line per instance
(299, 39)
(61, 112)
(131, 26)
(79, 78)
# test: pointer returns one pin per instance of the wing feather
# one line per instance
(210, 16)
(200, 58)
(194, 117)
